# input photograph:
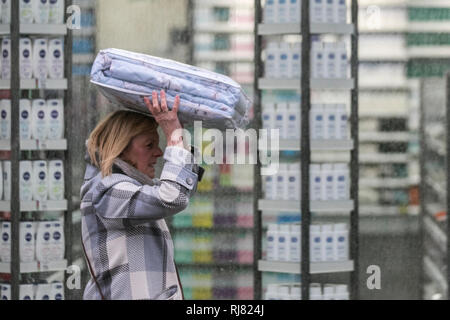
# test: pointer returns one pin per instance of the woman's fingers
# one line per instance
(163, 102)
(156, 107)
(148, 104)
(176, 104)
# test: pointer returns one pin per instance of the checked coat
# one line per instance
(126, 239)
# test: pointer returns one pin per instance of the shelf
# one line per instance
(436, 52)
(224, 27)
(316, 84)
(36, 29)
(315, 206)
(216, 265)
(315, 267)
(317, 145)
(232, 229)
(31, 84)
(401, 136)
(388, 210)
(30, 145)
(266, 29)
(34, 206)
(224, 56)
(383, 158)
(225, 3)
(35, 266)
(386, 183)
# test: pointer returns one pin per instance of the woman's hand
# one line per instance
(167, 119)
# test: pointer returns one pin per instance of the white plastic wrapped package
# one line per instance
(125, 78)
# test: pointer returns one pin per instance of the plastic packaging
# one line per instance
(272, 242)
(272, 60)
(43, 241)
(283, 11)
(283, 242)
(56, 12)
(315, 243)
(40, 58)
(5, 119)
(341, 242)
(6, 11)
(43, 291)
(56, 59)
(26, 11)
(315, 291)
(26, 59)
(341, 181)
(284, 60)
(270, 11)
(25, 119)
(26, 180)
(26, 292)
(57, 241)
(56, 180)
(27, 241)
(295, 246)
(317, 122)
(39, 119)
(296, 61)
(294, 11)
(55, 112)
(7, 180)
(328, 246)
(6, 58)
(315, 179)
(40, 180)
(41, 11)
(281, 119)
(293, 181)
(327, 180)
(293, 121)
(5, 242)
(317, 60)
(331, 122)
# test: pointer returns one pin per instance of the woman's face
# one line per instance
(143, 152)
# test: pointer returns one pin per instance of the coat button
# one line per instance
(189, 181)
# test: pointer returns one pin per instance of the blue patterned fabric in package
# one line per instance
(125, 78)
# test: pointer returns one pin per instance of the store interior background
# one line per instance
(389, 102)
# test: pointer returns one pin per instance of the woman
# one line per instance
(127, 243)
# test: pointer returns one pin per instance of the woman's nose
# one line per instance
(159, 153)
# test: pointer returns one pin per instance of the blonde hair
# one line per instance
(112, 136)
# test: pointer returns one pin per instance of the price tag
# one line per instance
(42, 205)
(42, 83)
(42, 145)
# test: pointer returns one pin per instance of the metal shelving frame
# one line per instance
(305, 268)
(429, 228)
(16, 30)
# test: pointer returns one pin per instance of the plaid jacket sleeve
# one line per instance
(118, 196)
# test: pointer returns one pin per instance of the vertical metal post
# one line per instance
(305, 148)
(447, 159)
(190, 26)
(257, 124)
(15, 150)
(354, 161)
(422, 189)
(69, 114)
